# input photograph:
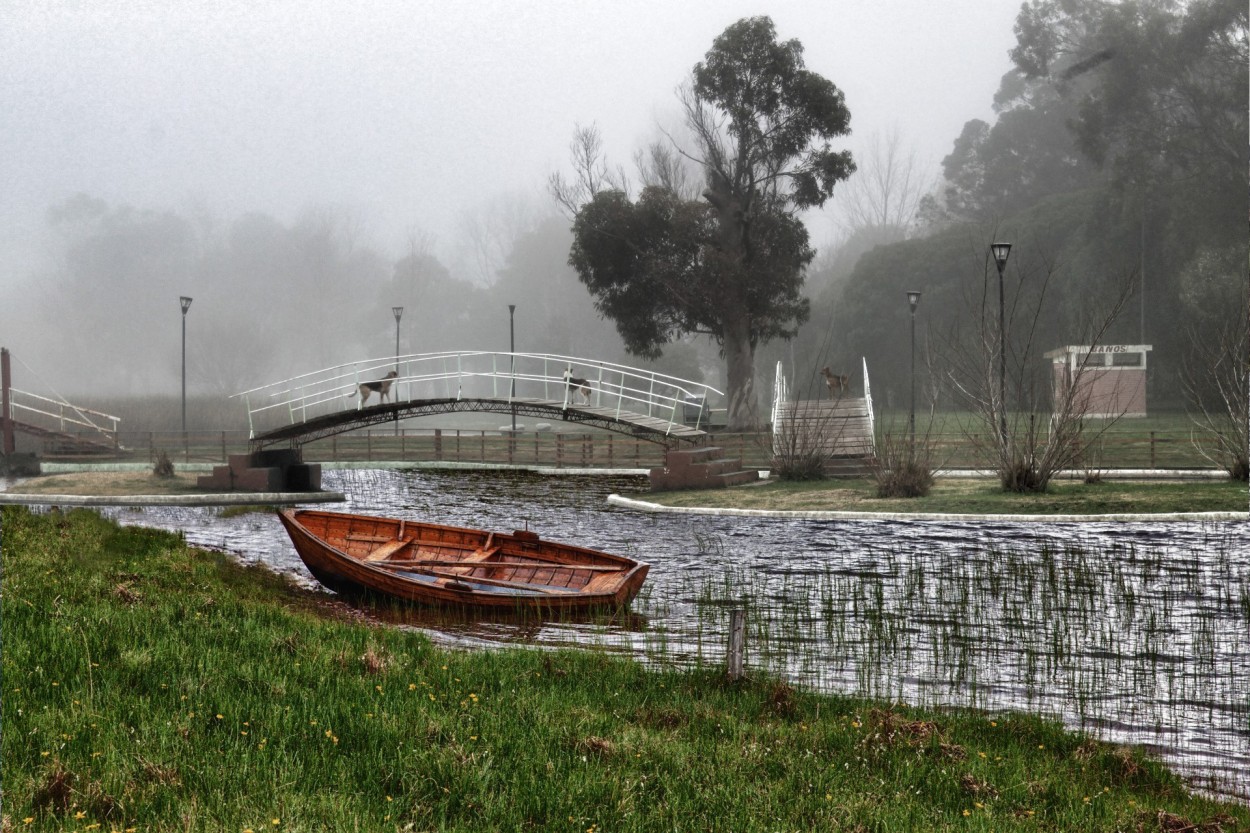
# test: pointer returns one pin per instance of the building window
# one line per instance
(1127, 359)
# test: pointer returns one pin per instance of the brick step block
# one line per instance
(686, 457)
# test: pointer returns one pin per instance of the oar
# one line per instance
(480, 565)
(520, 585)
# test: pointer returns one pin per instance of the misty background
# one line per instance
(299, 168)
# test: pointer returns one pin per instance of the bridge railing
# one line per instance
(480, 375)
(61, 416)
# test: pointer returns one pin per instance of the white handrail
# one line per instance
(332, 389)
(16, 404)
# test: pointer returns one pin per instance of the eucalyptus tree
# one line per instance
(729, 264)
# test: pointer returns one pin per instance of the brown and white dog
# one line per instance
(382, 388)
(837, 384)
(577, 385)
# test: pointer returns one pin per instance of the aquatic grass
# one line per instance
(1125, 637)
(152, 686)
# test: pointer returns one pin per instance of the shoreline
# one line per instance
(844, 515)
(184, 498)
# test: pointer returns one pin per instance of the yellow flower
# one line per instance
(412, 686)
(28, 820)
(80, 815)
(220, 717)
(967, 812)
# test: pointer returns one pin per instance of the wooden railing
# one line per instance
(1145, 450)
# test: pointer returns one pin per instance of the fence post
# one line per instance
(1152, 449)
(737, 642)
(438, 443)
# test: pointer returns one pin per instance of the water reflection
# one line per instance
(1138, 632)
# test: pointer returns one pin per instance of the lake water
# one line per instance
(1139, 633)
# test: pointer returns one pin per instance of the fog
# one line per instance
(298, 168)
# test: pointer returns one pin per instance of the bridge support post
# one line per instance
(6, 415)
(270, 470)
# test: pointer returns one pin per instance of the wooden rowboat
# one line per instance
(451, 566)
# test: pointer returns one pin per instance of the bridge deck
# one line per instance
(611, 419)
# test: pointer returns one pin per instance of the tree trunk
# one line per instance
(740, 374)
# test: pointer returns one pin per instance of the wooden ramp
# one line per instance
(839, 429)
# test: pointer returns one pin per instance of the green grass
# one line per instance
(150, 686)
(977, 496)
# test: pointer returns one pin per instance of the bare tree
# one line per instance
(886, 189)
(1027, 425)
(1216, 377)
(491, 230)
(662, 164)
(591, 173)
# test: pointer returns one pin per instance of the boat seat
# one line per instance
(601, 583)
(482, 554)
(387, 550)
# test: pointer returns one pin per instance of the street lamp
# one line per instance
(512, 367)
(398, 311)
(913, 300)
(186, 305)
(1001, 251)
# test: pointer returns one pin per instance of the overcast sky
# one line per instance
(408, 114)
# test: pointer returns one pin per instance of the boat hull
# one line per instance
(445, 566)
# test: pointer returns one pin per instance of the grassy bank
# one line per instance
(148, 686)
(949, 495)
(977, 496)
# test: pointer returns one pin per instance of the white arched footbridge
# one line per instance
(614, 397)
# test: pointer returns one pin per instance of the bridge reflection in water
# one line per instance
(614, 397)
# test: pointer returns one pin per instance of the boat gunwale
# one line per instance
(428, 592)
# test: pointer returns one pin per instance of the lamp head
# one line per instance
(913, 298)
(398, 311)
(186, 303)
(1001, 251)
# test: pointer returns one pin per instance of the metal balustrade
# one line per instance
(62, 417)
(615, 391)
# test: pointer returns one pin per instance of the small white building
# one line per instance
(1111, 378)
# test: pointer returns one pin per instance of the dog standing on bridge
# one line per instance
(837, 384)
(382, 388)
(581, 386)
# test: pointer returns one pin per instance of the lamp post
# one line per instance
(1001, 251)
(512, 367)
(913, 300)
(398, 312)
(186, 305)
